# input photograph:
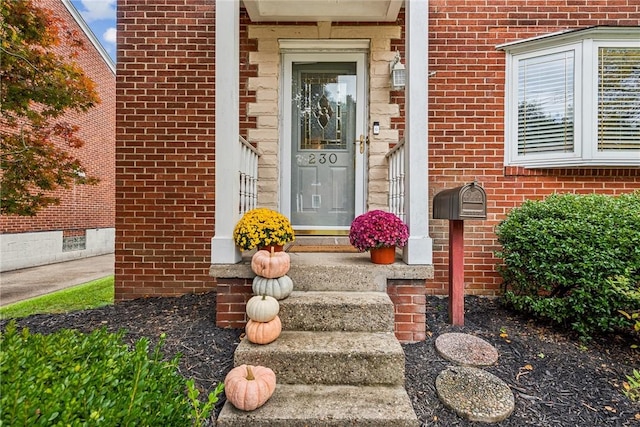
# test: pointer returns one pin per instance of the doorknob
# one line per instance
(361, 144)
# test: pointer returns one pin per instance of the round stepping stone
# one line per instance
(475, 394)
(466, 350)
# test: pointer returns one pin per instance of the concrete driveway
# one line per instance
(27, 283)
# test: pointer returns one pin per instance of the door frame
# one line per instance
(328, 53)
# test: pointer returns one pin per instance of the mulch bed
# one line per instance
(555, 380)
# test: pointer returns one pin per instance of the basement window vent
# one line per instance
(74, 240)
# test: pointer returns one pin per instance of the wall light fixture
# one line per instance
(398, 73)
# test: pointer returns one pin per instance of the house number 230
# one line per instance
(322, 158)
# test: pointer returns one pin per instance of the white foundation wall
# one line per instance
(22, 250)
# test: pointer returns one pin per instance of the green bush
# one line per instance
(561, 254)
(75, 379)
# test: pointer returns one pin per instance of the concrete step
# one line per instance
(351, 272)
(337, 311)
(349, 358)
(357, 277)
(327, 405)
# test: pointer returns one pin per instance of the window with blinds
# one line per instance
(618, 98)
(572, 99)
(546, 104)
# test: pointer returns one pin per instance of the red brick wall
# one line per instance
(83, 206)
(231, 303)
(466, 118)
(165, 147)
(409, 301)
(165, 135)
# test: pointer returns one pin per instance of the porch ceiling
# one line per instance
(323, 10)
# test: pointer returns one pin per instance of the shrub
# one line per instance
(561, 253)
(70, 378)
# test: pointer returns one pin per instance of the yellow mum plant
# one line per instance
(262, 227)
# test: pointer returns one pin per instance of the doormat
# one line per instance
(321, 248)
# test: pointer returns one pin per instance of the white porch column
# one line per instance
(419, 248)
(227, 105)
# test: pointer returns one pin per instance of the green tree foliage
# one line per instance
(40, 83)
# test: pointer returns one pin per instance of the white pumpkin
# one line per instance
(262, 308)
(279, 288)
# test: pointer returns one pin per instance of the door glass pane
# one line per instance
(323, 136)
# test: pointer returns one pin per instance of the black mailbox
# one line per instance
(466, 202)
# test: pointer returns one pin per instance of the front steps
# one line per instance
(337, 361)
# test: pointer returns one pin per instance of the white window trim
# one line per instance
(585, 44)
(591, 122)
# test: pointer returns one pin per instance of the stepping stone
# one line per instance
(475, 394)
(466, 350)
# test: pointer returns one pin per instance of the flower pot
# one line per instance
(384, 255)
(276, 248)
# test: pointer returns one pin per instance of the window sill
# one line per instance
(575, 171)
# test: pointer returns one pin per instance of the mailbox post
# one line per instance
(456, 205)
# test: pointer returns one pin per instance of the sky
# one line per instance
(100, 15)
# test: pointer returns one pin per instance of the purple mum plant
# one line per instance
(376, 229)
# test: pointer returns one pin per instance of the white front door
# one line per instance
(324, 140)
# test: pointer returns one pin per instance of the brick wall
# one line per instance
(83, 206)
(409, 301)
(166, 138)
(231, 302)
(165, 147)
(466, 116)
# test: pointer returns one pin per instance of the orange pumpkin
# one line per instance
(248, 387)
(270, 264)
(263, 332)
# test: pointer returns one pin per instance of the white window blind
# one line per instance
(546, 104)
(572, 99)
(618, 99)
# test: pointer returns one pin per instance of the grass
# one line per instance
(88, 295)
